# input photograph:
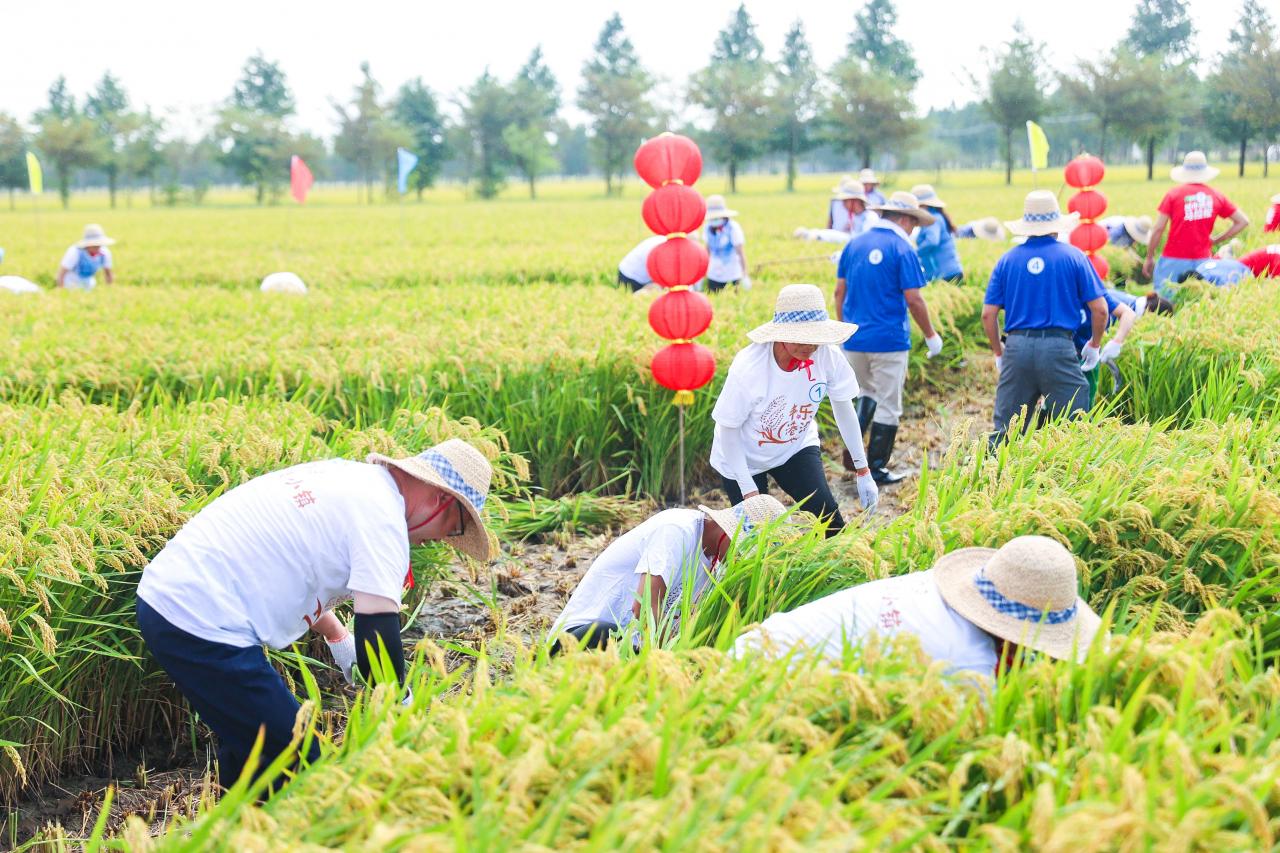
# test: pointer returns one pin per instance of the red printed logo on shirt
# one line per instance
(890, 616)
(782, 425)
(301, 497)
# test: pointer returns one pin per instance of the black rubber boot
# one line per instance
(879, 451)
(866, 411)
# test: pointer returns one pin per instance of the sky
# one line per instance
(183, 62)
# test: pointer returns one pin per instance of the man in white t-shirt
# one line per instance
(654, 569)
(727, 257)
(265, 562)
(633, 269)
(972, 609)
(82, 262)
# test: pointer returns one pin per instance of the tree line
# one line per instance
(1146, 90)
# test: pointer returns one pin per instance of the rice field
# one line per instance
(125, 410)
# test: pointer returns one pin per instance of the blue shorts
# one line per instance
(1169, 270)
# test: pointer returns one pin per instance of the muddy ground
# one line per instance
(524, 590)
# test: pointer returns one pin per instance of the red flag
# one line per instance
(300, 178)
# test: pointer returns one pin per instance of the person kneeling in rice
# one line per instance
(972, 609)
(650, 569)
(766, 414)
(267, 561)
(82, 262)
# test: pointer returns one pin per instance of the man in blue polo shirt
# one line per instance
(1042, 286)
(878, 283)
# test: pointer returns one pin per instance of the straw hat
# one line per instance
(1275, 199)
(283, 282)
(800, 317)
(716, 208)
(1195, 169)
(1026, 592)
(459, 469)
(989, 228)
(906, 204)
(1138, 228)
(868, 176)
(1041, 215)
(94, 236)
(926, 196)
(849, 190)
(845, 180)
(745, 517)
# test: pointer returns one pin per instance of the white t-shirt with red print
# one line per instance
(774, 410)
(262, 562)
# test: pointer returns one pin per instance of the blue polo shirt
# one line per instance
(877, 267)
(1042, 284)
(1084, 332)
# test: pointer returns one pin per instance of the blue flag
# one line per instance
(406, 161)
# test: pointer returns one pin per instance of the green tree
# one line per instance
(1014, 90)
(795, 100)
(251, 129)
(614, 93)
(868, 110)
(572, 149)
(1109, 89)
(418, 111)
(13, 156)
(1160, 34)
(367, 133)
(535, 100)
(1235, 96)
(486, 112)
(1161, 27)
(874, 42)
(66, 137)
(108, 109)
(143, 153)
(734, 89)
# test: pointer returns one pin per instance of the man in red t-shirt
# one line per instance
(1189, 210)
(1272, 222)
(1264, 262)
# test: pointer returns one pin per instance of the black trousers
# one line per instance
(627, 281)
(597, 634)
(804, 480)
(717, 286)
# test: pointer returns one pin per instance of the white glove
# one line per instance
(1111, 351)
(744, 283)
(344, 655)
(408, 698)
(934, 345)
(868, 492)
(1089, 357)
(999, 363)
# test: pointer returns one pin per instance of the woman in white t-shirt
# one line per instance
(633, 269)
(972, 609)
(766, 414)
(725, 241)
(81, 262)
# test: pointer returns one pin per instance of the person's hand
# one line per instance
(868, 492)
(745, 283)
(999, 364)
(1089, 357)
(1111, 351)
(344, 655)
(1149, 266)
(933, 345)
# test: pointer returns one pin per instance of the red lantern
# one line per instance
(1090, 204)
(1085, 171)
(683, 367)
(679, 262)
(668, 157)
(1089, 237)
(680, 315)
(674, 209)
(1100, 266)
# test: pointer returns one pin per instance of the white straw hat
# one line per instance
(906, 204)
(849, 190)
(746, 516)
(1041, 215)
(845, 180)
(1138, 228)
(868, 176)
(282, 282)
(1195, 169)
(989, 228)
(94, 236)
(716, 208)
(459, 469)
(1026, 592)
(925, 194)
(800, 317)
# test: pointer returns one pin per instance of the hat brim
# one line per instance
(933, 202)
(97, 241)
(1200, 176)
(955, 573)
(1136, 234)
(817, 333)
(1039, 229)
(720, 213)
(475, 541)
(1275, 199)
(922, 216)
(990, 230)
(723, 518)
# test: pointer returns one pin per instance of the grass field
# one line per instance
(124, 410)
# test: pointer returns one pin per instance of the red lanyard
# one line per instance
(805, 364)
(445, 504)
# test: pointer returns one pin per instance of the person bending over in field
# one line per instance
(987, 228)
(972, 609)
(936, 242)
(267, 561)
(766, 414)
(81, 263)
(1264, 262)
(633, 269)
(1120, 314)
(848, 219)
(648, 569)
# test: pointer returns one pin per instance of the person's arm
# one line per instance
(655, 588)
(851, 433)
(919, 311)
(1125, 318)
(840, 291)
(109, 275)
(990, 325)
(1238, 223)
(377, 627)
(1098, 316)
(929, 237)
(62, 277)
(329, 627)
(1153, 244)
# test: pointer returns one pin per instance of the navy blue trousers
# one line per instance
(234, 690)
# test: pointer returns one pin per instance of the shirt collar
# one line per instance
(891, 226)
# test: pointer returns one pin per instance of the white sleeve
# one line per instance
(842, 382)
(106, 259)
(735, 402)
(736, 234)
(71, 258)
(736, 455)
(664, 554)
(377, 551)
(850, 431)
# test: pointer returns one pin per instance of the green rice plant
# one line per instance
(536, 517)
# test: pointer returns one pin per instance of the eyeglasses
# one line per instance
(462, 520)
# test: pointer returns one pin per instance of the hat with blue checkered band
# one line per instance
(743, 518)
(905, 204)
(1025, 592)
(800, 317)
(1041, 215)
(460, 470)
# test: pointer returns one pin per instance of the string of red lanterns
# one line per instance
(671, 164)
(1084, 173)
